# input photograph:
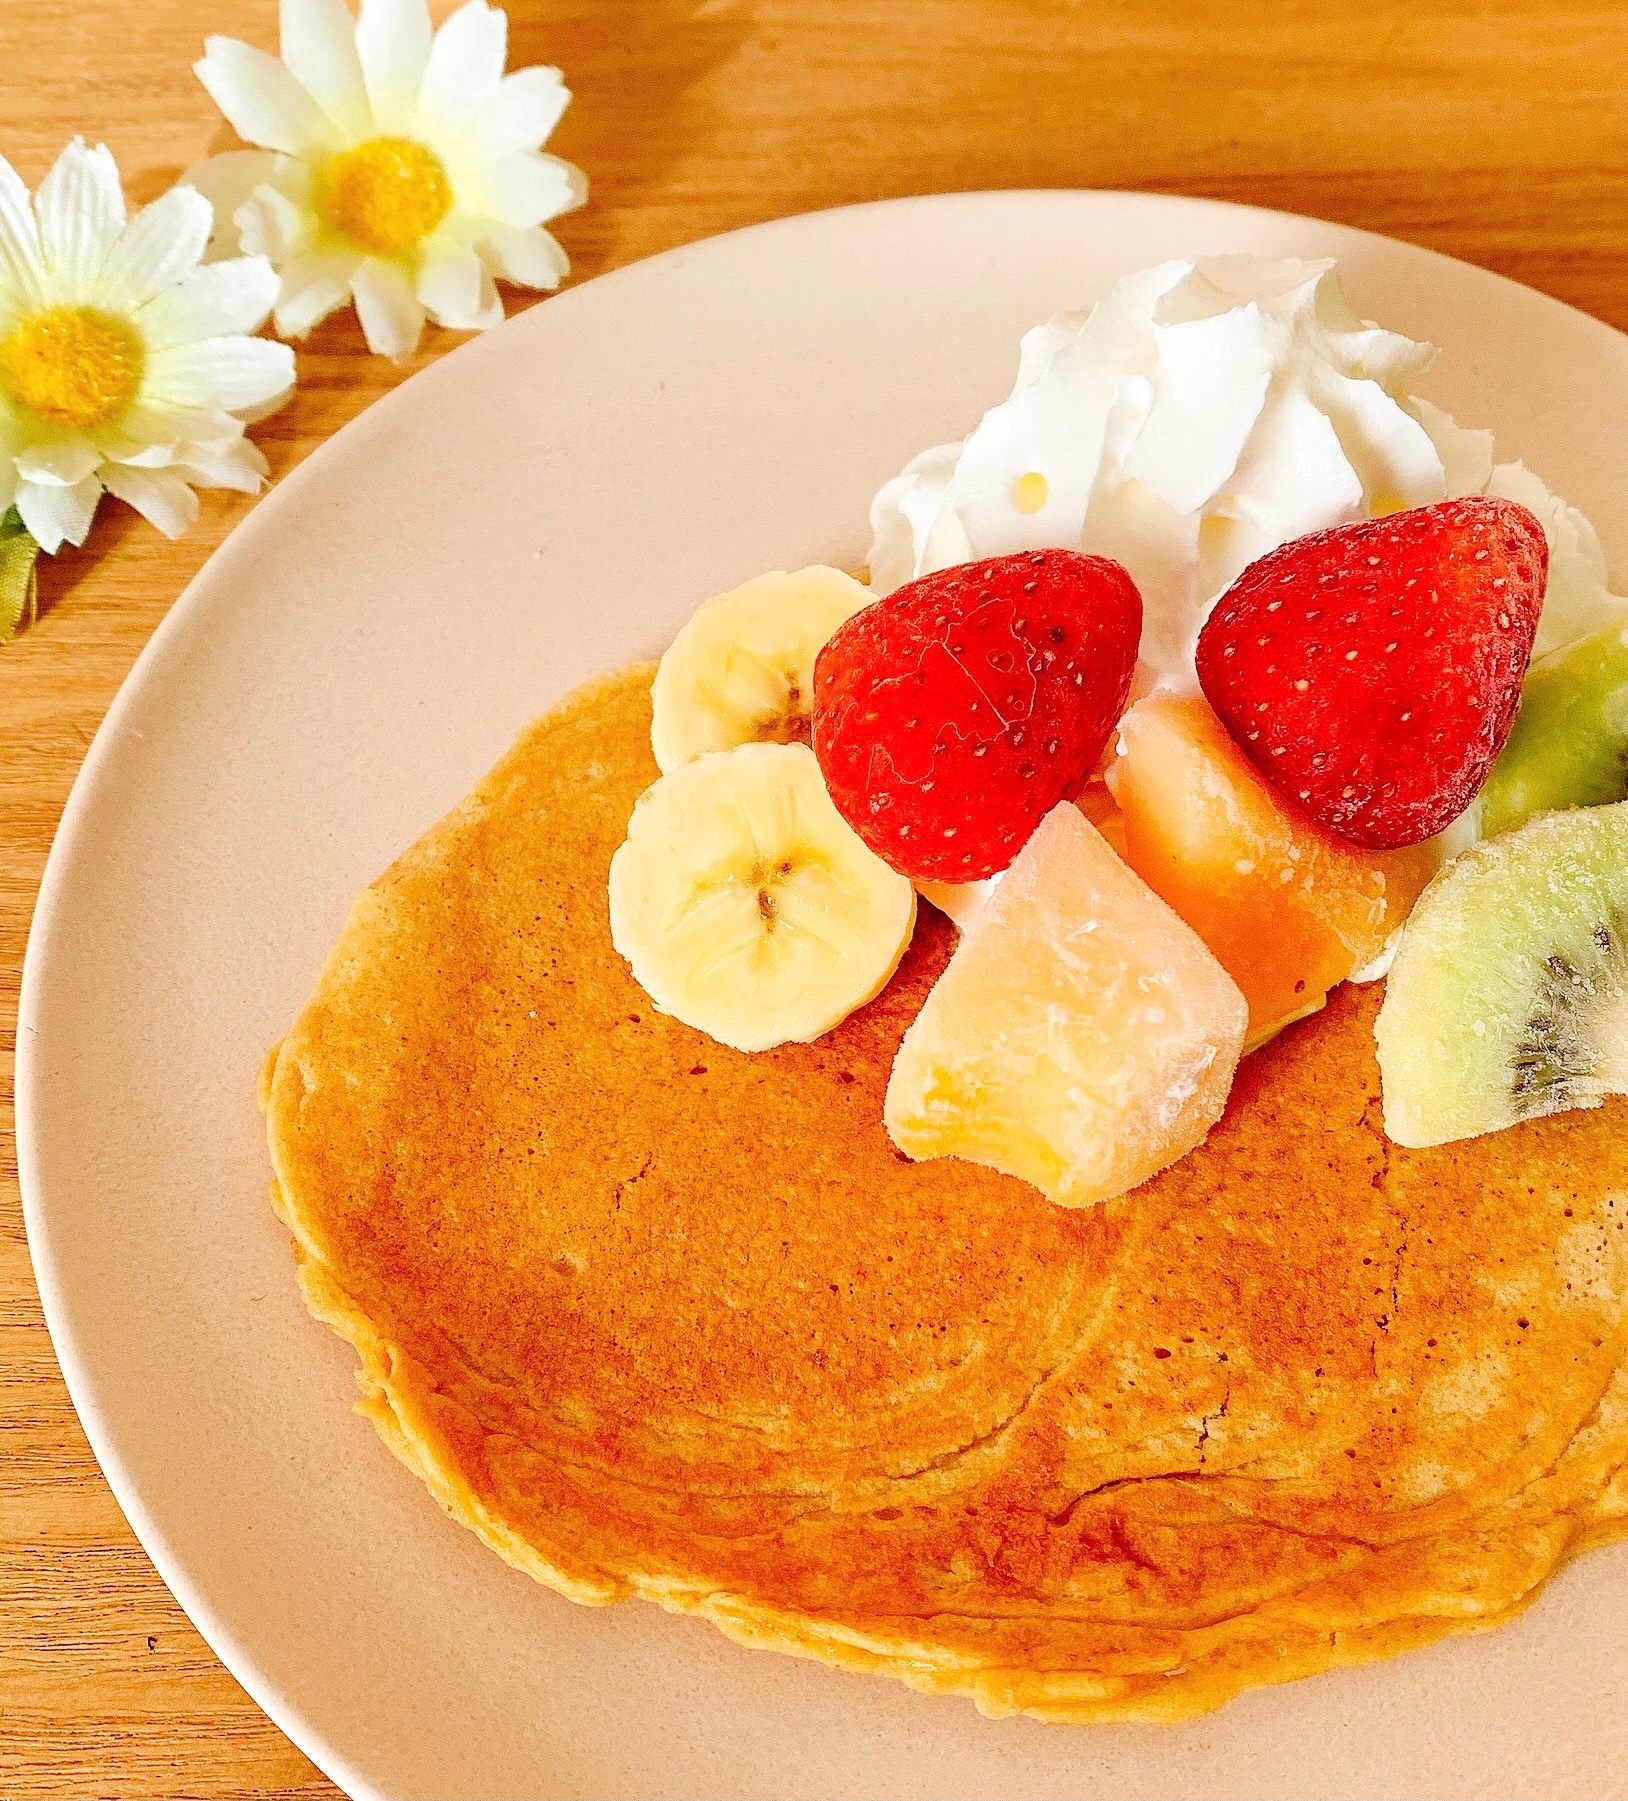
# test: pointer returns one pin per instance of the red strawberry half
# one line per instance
(1371, 672)
(952, 716)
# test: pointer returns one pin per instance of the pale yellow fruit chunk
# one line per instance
(747, 905)
(1082, 1036)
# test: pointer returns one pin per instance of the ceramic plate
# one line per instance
(548, 501)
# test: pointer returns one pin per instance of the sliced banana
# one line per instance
(747, 905)
(742, 670)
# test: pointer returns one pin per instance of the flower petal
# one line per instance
(19, 245)
(525, 189)
(271, 225)
(252, 415)
(152, 435)
(156, 250)
(262, 102)
(226, 182)
(466, 63)
(55, 515)
(229, 373)
(161, 496)
(9, 479)
(216, 301)
(456, 291)
(80, 207)
(58, 462)
(391, 318)
(319, 48)
(314, 284)
(523, 112)
(393, 40)
(243, 467)
(528, 256)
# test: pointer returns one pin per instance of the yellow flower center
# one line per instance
(386, 194)
(73, 365)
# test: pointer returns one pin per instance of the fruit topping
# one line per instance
(742, 670)
(1508, 998)
(952, 716)
(1081, 1037)
(1569, 745)
(1098, 802)
(745, 904)
(1288, 909)
(959, 901)
(1371, 672)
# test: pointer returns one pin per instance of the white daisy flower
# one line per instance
(124, 367)
(398, 168)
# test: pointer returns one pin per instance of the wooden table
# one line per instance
(1495, 131)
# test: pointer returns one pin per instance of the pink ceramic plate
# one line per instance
(544, 503)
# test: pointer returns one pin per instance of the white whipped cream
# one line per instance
(1199, 415)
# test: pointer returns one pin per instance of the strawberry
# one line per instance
(1371, 672)
(952, 716)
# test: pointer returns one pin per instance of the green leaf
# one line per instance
(19, 586)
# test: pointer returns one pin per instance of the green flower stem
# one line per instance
(19, 586)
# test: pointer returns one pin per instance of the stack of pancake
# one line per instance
(654, 1317)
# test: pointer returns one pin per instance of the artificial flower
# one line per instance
(124, 366)
(398, 168)
(19, 588)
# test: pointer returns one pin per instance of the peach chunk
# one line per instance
(1289, 910)
(1081, 1036)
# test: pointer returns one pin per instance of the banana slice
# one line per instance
(742, 670)
(747, 905)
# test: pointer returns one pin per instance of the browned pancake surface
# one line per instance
(656, 1316)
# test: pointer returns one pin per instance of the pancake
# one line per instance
(657, 1318)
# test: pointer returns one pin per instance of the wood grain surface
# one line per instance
(1497, 132)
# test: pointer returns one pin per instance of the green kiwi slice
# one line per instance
(1569, 744)
(1508, 998)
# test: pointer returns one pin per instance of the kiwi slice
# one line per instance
(1508, 998)
(1569, 744)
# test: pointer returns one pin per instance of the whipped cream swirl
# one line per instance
(1202, 413)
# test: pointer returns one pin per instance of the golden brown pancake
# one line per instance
(655, 1317)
